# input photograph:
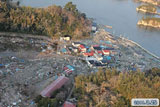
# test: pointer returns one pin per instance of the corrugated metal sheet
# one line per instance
(68, 104)
(58, 83)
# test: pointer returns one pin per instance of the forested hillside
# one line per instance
(50, 21)
(109, 88)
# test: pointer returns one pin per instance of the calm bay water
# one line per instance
(120, 14)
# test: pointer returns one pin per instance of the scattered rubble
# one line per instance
(25, 72)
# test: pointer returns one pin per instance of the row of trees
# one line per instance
(57, 99)
(51, 21)
(116, 89)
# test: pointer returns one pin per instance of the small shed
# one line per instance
(65, 38)
(106, 52)
(76, 44)
(63, 50)
(94, 27)
(69, 69)
(82, 48)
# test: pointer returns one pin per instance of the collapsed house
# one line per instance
(68, 69)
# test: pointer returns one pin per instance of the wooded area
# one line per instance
(116, 89)
(51, 21)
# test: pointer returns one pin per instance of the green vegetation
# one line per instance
(147, 9)
(52, 21)
(45, 102)
(57, 99)
(116, 89)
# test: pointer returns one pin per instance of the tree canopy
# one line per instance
(50, 21)
(116, 89)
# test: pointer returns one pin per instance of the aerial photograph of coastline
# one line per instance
(79, 53)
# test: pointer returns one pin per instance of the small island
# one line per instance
(153, 2)
(150, 22)
(147, 9)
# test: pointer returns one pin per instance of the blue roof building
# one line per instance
(63, 50)
(108, 42)
(107, 58)
(70, 67)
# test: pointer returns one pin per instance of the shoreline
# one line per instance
(147, 51)
(136, 44)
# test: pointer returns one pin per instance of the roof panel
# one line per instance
(58, 83)
(68, 104)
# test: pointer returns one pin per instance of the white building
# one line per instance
(76, 44)
(98, 57)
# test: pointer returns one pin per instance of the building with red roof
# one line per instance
(106, 52)
(88, 53)
(68, 104)
(68, 69)
(100, 52)
(82, 48)
(58, 83)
